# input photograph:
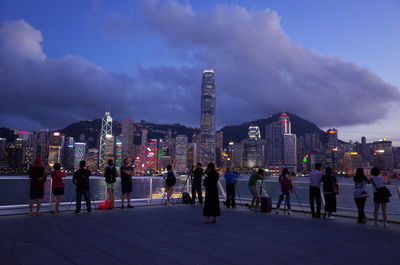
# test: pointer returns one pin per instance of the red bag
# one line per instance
(105, 205)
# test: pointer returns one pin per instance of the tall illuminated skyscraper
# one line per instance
(105, 135)
(126, 138)
(207, 121)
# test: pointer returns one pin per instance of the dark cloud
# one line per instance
(259, 71)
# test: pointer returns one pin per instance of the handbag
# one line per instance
(382, 190)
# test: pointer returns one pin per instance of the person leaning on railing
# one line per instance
(37, 174)
(57, 185)
(361, 194)
(81, 181)
(331, 189)
(381, 195)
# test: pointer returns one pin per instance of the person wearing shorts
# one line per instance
(37, 175)
(110, 174)
(126, 182)
(57, 187)
(259, 175)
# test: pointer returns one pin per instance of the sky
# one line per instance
(334, 62)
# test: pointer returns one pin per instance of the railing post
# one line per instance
(151, 189)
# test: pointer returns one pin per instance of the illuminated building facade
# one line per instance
(332, 138)
(207, 120)
(274, 144)
(151, 155)
(92, 159)
(181, 148)
(55, 146)
(118, 152)
(41, 146)
(79, 154)
(105, 137)
(253, 147)
(128, 130)
(383, 155)
(109, 149)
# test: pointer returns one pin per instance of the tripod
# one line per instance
(90, 198)
(298, 199)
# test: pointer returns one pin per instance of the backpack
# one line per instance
(170, 180)
(286, 184)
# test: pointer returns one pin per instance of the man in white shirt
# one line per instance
(314, 191)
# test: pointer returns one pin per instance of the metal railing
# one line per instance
(149, 190)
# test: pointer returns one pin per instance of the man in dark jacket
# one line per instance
(196, 184)
(81, 181)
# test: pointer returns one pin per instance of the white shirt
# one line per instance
(315, 178)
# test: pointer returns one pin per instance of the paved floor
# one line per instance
(175, 235)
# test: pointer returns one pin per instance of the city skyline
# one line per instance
(335, 58)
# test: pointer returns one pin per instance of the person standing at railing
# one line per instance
(110, 175)
(57, 185)
(126, 182)
(211, 204)
(198, 173)
(361, 194)
(37, 175)
(170, 181)
(315, 191)
(256, 176)
(230, 180)
(81, 180)
(286, 188)
(381, 195)
(331, 189)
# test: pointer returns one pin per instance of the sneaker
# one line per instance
(77, 212)
(330, 218)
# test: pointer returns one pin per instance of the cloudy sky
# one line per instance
(334, 62)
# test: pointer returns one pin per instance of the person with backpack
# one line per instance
(110, 175)
(37, 175)
(361, 194)
(330, 189)
(230, 181)
(381, 195)
(211, 204)
(57, 187)
(81, 181)
(286, 188)
(198, 173)
(126, 182)
(170, 181)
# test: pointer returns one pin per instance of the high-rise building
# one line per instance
(192, 158)
(118, 152)
(109, 149)
(207, 121)
(383, 155)
(274, 144)
(285, 123)
(219, 139)
(236, 153)
(105, 136)
(181, 148)
(289, 150)
(253, 147)
(151, 155)
(55, 145)
(79, 154)
(69, 153)
(92, 159)
(332, 138)
(41, 146)
(128, 130)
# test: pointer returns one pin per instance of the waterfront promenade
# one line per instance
(175, 235)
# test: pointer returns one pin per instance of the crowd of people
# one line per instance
(211, 209)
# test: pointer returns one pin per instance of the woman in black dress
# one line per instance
(211, 204)
(331, 189)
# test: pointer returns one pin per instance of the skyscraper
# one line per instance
(127, 138)
(274, 144)
(207, 121)
(181, 149)
(253, 147)
(105, 135)
(55, 145)
(79, 154)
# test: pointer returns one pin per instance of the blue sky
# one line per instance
(108, 34)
